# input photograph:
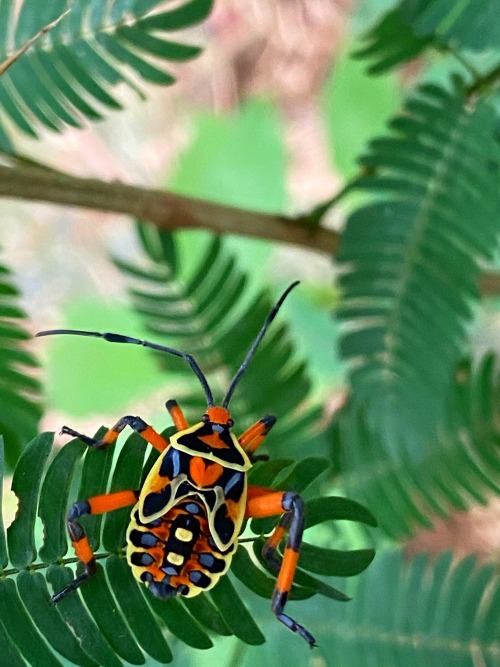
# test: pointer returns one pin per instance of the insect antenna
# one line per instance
(118, 338)
(256, 343)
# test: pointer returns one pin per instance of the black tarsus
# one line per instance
(136, 423)
(76, 533)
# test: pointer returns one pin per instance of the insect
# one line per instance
(187, 517)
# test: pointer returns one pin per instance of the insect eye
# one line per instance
(230, 422)
(205, 418)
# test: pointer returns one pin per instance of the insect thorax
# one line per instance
(184, 529)
(222, 447)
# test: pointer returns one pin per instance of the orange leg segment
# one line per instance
(253, 437)
(95, 505)
(262, 502)
(180, 422)
(111, 435)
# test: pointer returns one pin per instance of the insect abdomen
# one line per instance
(175, 554)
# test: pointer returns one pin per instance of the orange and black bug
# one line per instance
(187, 517)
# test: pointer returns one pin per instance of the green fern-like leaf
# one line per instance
(208, 315)
(404, 32)
(411, 257)
(19, 389)
(450, 470)
(417, 613)
(69, 73)
(469, 25)
(390, 43)
(120, 620)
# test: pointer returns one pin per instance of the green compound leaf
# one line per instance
(70, 72)
(455, 467)
(180, 622)
(335, 562)
(54, 500)
(110, 619)
(21, 629)
(207, 614)
(417, 612)
(9, 652)
(137, 612)
(390, 43)
(406, 31)
(302, 578)
(411, 258)
(33, 587)
(19, 389)
(258, 581)
(79, 620)
(235, 613)
(26, 485)
(336, 508)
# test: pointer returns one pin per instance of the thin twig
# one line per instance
(31, 181)
(63, 561)
(21, 51)
(484, 82)
(164, 209)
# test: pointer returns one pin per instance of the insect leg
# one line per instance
(269, 548)
(177, 415)
(254, 436)
(109, 438)
(263, 502)
(79, 540)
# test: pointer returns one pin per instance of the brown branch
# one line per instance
(164, 209)
(28, 180)
(489, 283)
(4, 66)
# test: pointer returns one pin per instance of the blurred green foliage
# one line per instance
(357, 108)
(86, 377)
(236, 159)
